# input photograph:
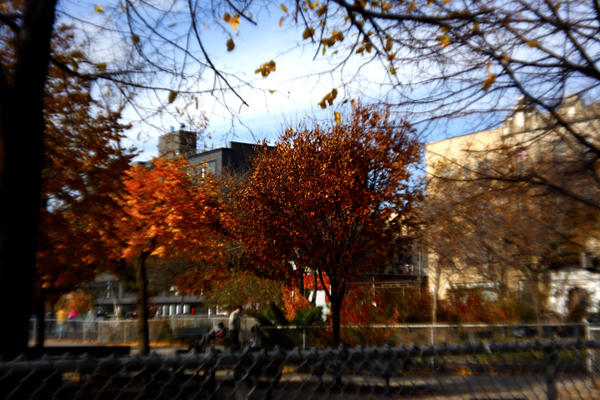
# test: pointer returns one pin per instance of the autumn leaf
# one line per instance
(308, 33)
(172, 96)
(533, 43)
(388, 44)
(233, 21)
(443, 40)
(488, 82)
(266, 68)
(321, 10)
(284, 8)
(135, 39)
(335, 37)
(337, 117)
(230, 44)
(98, 9)
(360, 3)
(328, 99)
(101, 66)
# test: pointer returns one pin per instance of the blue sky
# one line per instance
(298, 83)
(295, 97)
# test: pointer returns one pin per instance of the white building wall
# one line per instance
(564, 281)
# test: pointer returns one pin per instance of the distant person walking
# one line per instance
(61, 321)
(72, 318)
(235, 326)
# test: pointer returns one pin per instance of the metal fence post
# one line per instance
(589, 355)
(242, 389)
(551, 372)
(303, 338)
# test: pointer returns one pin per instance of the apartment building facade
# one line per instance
(505, 218)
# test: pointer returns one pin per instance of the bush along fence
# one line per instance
(518, 370)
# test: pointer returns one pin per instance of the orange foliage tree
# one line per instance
(84, 166)
(293, 303)
(168, 211)
(336, 198)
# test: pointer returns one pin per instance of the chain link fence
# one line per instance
(420, 334)
(593, 354)
(544, 370)
(124, 331)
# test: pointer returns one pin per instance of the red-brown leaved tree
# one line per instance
(338, 199)
(168, 212)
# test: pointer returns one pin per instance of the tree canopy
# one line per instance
(84, 167)
(337, 200)
(168, 211)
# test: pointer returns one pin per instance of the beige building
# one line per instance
(534, 233)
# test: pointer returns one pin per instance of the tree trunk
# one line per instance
(336, 308)
(301, 280)
(535, 293)
(313, 301)
(142, 301)
(40, 317)
(21, 163)
(436, 292)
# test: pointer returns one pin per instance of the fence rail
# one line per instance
(525, 370)
(124, 331)
(164, 330)
(423, 334)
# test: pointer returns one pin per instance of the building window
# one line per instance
(208, 167)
